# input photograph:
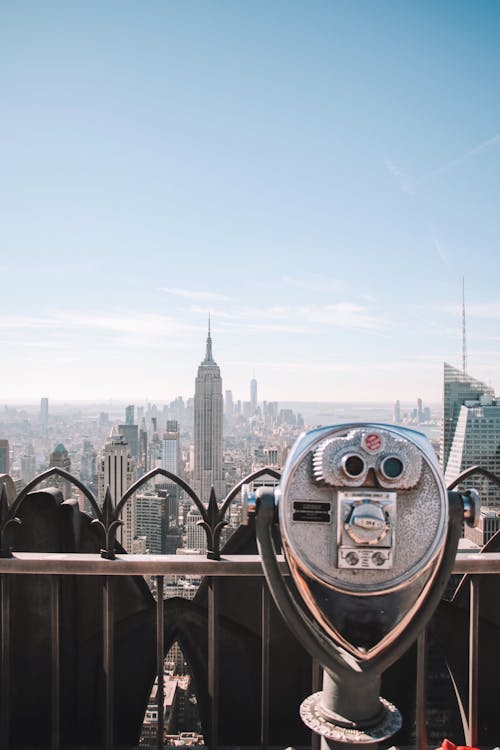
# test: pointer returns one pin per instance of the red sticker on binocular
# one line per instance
(373, 442)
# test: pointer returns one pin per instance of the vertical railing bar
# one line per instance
(108, 660)
(55, 587)
(317, 682)
(213, 662)
(421, 691)
(473, 661)
(265, 664)
(5, 666)
(160, 637)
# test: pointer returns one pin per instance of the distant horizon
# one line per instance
(164, 402)
(320, 178)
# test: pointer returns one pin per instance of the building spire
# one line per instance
(464, 347)
(209, 358)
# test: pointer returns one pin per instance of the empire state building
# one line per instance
(208, 417)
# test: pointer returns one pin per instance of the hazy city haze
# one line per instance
(318, 176)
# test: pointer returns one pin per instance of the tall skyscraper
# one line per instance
(171, 461)
(28, 465)
(60, 457)
(253, 395)
(458, 388)
(116, 470)
(143, 447)
(151, 520)
(476, 442)
(228, 405)
(88, 465)
(129, 414)
(4, 457)
(396, 418)
(171, 447)
(44, 415)
(208, 411)
(130, 434)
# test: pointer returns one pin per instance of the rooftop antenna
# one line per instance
(464, 346)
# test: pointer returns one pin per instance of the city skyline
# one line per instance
(319, 178)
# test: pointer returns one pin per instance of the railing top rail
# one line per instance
(26, 563)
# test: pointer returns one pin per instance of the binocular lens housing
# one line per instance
(354, 465)
(392, 467)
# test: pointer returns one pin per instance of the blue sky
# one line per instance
(318, 176)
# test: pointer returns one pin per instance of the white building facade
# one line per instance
(116, 470)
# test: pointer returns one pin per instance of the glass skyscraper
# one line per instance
(471, 432)
(458, 389)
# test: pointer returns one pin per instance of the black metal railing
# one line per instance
(109, 565)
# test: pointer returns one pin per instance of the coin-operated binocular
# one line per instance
(369, 533)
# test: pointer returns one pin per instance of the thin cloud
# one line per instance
(136, 323)
(440, 250)
(461, 159)
(483, 310)
(270, 327)
(486, 310)
(314, 283)
(300, 318)
(60, 326)
(401, 177)
(194, 294)
(385, 365)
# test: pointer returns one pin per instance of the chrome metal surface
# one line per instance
(313, 716)
(364, 448)
(357, 552)
(310, 534)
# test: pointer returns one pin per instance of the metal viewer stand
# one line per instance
(370, 534)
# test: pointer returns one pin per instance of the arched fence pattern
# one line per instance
(108, 516)
(213, 520)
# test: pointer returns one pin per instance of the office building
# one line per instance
(171, 461)
(151, 522)
(116, 470)
(129, 414)
(253, 395)
(488, 525)
(171, 448)
(143, 447)
(60, 458)
(476, 442)
(130, 434)
(44, 415)
(228, 404)
(28, 465)
(208, 413)
(4, 457)
(196, 538)
(458, 388)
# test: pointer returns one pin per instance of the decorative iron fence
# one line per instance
(108, 567)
